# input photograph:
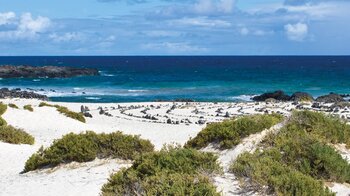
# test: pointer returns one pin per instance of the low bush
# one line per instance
(12, 135)
(64, 110)
(11, 105)
(42, 104)
(3, 108)
(328, 128)
(230, 132)
(307, 153)
(280, 179)
(74, 115)
(2, 121)
(28, 107)
(86, 147)
(172, 171)
(297, 159)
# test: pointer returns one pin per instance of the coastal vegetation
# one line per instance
(28, 107)
(325, 127)
(298, 159)
(3, 108)
(230, 132)
(10, 134)
(13, 135)
(266, 171)
(86, 147)
(171, 171)
(64, 110)
(12, 105)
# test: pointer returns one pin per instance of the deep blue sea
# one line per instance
(202, 78)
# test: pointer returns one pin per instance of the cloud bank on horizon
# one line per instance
(181, 27)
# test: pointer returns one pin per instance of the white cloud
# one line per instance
(296, 32)
(161, 33)
(244, 31)
(212, 6)
(201, 21)
(256, 32)
(66, 37)
(174, 47)
(7, 17)
(27, 27)
(29, 24)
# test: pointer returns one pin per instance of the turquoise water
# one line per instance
(213, 78)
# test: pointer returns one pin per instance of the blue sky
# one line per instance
(175, 27)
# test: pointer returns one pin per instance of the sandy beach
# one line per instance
(160, 122)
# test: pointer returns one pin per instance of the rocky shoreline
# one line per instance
(26, 71)
(280, 95)
(271, 97)
(18, 93)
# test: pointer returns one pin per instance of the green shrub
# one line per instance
(12, 135)
(280, 179)
(28, 107)
(11, 105)
(297, 159)
(2, 121)
(3, 108)
(42, 104)
(63, 110)
(230, 132)
(172, 171)
(74, 115)
(308, 154)
(327, 128)
(87, 146)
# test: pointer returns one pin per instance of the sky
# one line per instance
(174, 27)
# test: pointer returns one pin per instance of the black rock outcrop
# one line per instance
(25, 71)
(330, 98)
(277, 95)
(301, 96)
(17, 93)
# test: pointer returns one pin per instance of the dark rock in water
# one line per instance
(301, 96)
(278, 95)
(15, 93)
(345, 95)
(25, 71)
(330, 98)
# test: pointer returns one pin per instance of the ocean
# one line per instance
(201, 78)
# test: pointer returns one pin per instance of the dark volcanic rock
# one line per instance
(301, 96)
(331, 98)
(278, 95)
(15, 93)
(24, 71)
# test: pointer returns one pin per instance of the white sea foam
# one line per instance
(242, 97)
(93, 98)
(131, 90)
